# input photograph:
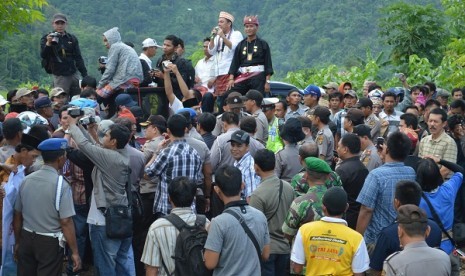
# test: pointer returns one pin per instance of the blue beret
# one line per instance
(42, 102)
(52, 144)
(191, 111)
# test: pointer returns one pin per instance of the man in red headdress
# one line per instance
(251, 67)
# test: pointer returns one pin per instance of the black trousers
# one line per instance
(141, 228)
(257, 83)
(39, 255)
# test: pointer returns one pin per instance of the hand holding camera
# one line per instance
(53, 38)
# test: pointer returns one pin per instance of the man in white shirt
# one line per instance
(205, 76)
(222, 47)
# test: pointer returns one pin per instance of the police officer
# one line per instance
(324, 136)
(274, 142)
(39, 231)
(234, 103)
(417, 258)
(253, 103)
(287, 159)
(366, 105)
(369, 156)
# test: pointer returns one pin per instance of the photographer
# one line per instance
(186, 70)
(109, 177)
(61, 56)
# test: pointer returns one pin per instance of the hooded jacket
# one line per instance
(123, 62)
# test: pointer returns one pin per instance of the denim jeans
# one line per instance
(277, 264)
(111, 256)
(81, 229)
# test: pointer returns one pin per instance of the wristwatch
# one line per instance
(268, 81)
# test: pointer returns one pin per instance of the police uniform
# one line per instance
(262, 126)
(274, 142)
(375, 125)
(41, 244)
(219, 123)
(325, 142)
(370, 158)
(308, 207)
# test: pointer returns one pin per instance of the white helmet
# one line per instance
(29, 119)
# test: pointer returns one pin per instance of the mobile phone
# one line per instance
(460, 252)
(379, 142)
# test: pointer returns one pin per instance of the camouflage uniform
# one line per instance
(300, 186)
(304, 209)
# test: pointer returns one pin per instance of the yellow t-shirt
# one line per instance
(329, 248)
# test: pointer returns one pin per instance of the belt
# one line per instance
(250, 69)
(57, 235)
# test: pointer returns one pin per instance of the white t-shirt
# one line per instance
(95, 217)
(176, 105)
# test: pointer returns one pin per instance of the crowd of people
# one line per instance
(326, 181)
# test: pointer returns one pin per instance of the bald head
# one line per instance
(308, 150)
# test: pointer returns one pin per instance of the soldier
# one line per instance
(39, 232)
(299, 183)
(324, 137)
(308, 207)
(369, 156)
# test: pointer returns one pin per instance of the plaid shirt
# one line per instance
(249, 177)
(178, 159)
(378, 194)
(75, 177)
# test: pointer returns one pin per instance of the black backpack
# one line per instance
(188, 253)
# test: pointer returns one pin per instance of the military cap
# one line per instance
(410, 213)
(317, 165)
(53, 144)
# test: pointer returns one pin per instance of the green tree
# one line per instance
(18, 13)
(413, 29)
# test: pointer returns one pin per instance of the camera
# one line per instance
(103, 60)
(75, 112)
(87, 120)
(166, 63)
(379, 142)
(55, 37)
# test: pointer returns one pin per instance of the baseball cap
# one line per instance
(126, 113)
(3, 101)
(442, 93)
(240, 137)
(410, 213)
(335, 200)
(56, 92)
(331, 85)
(59, 17)
(254, 95)
(351, 93)
(125, 100)
(317, 165)
(23, 92)
(155, 120)
(103, 127)
(150, 42)
(42, 102)
(234, 101)
(312, 90)
(191, 112)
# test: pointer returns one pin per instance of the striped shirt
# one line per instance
(161, 241)
(249, 177)
(178, 159)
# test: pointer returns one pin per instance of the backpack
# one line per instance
(188, 252)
